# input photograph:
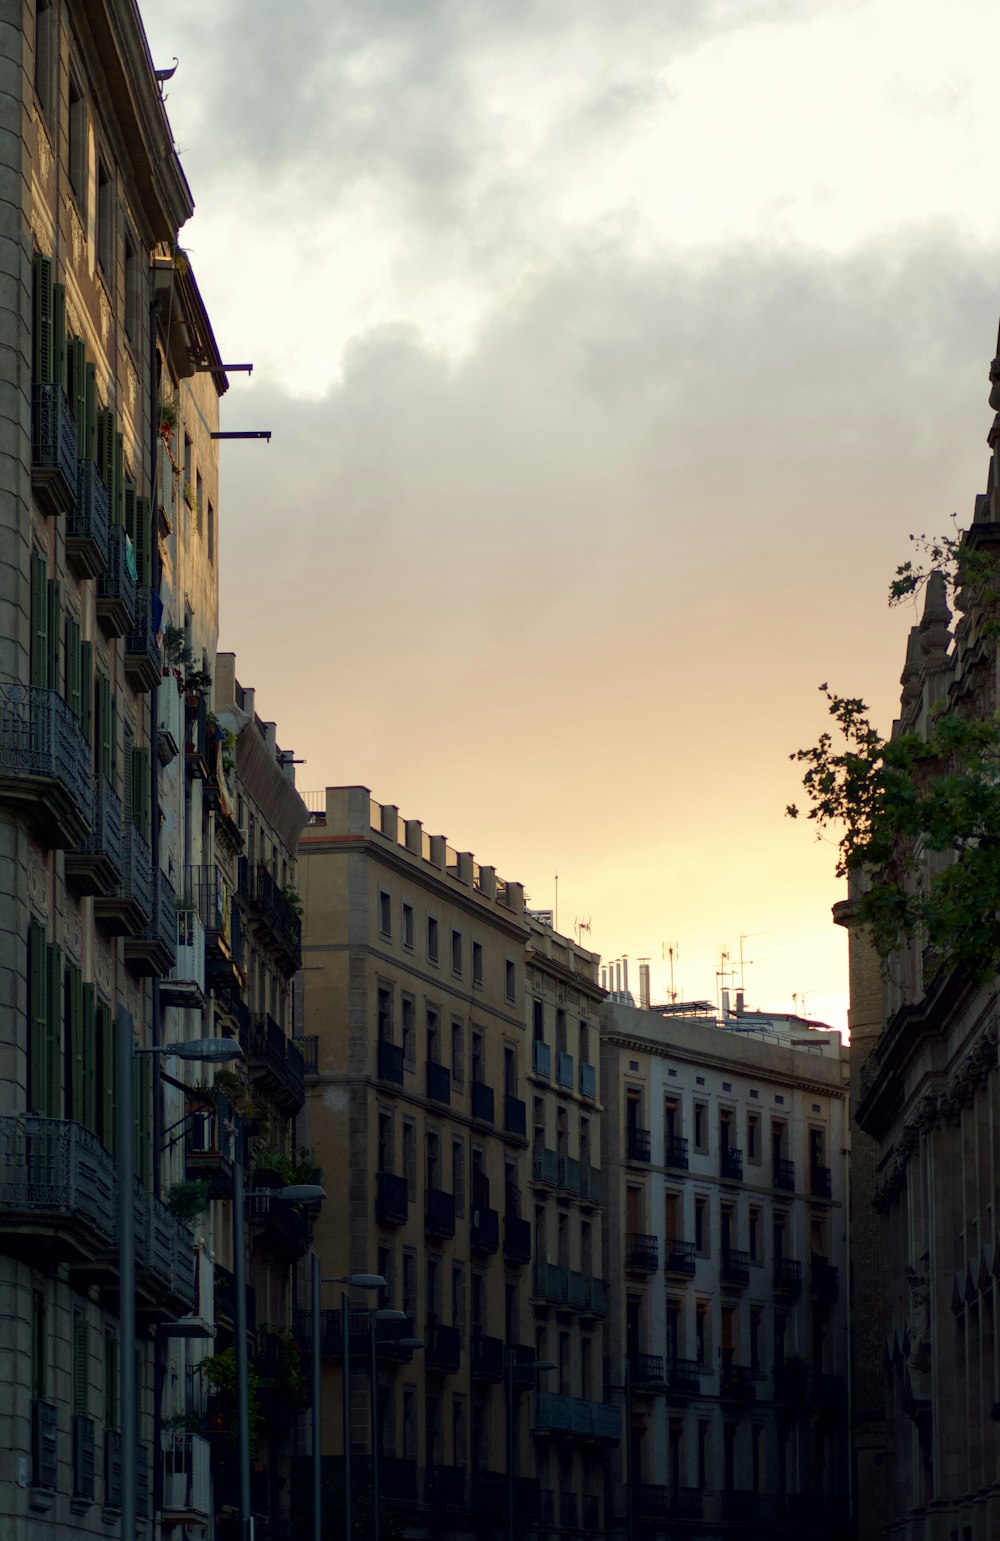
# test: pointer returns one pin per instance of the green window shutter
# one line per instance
(118, 479)
(143, 1071)
(143, 541)
(74, 668)
(81, 1364)
(90, 412)
(38, 1018)
(88, 1107)
(108, 1049)
(59, 334)
(54, 633)
(77, 392)
(113, 776)
(42, 337)
(87, 690)
(104, 727)
(105, 426)
(73, 1034)
(128, 519)
(39, 620)
(129, 775)
(141, 770)
(54, 1028)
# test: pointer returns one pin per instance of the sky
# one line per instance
(611, 352)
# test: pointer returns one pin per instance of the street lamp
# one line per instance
(531, 1367)
(211, 1050)
(361, 1281)
(374, 1317)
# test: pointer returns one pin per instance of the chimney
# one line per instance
(725, 1005)
(625, 975)
(644, 986)
(739, 1003)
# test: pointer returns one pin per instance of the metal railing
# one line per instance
(41, 738)
(54, 441)
(187, 1476)
(90, 521)
(731, 1163)
(552, 1413)
(439, 1213)
(680, 1257)
(487, 1357)
(391, 1198)
(641, 1251)
(636, 1143)
(588, 1080)
(541, 1058)
(515, 1116)
(482, 1102)
(143, 658)
(820, 1181)
(516, 1239)
(646, 1369)
(55, 1167)
(107, 827)
(442, 1347)
(676, 1152)
(788, 1275)
(564, 1069)
(484, 1229)
(783, 1174)
(117, 584)
(438, 1082)
(735, 1267)
(281, 919)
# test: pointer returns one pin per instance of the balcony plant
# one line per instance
(291, 1382)
(273, 1169)
(221, 1372)
(253, 1112)
(306, 1168)
(186, 1200)
(168, 418)
(293, 899)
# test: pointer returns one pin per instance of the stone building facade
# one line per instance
(725, 1147)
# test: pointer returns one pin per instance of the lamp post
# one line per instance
(212, 1050)
(374, 1317)
(361, 1281)
(531, 1367)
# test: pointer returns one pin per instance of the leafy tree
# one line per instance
(918, 815)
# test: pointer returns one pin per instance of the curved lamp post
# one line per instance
(361, 1281)
(209, 1051)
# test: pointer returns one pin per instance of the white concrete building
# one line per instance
(725, 1152)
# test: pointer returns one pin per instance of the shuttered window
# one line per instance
(45, 1015)
(42, 330)
(81, 1364)
(72, 1040)
(106, 1088)
(143, 1071)
(85, 1063)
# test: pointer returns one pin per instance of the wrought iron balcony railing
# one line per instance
(53, 449)
(88, 524)
(515, 1117)
(392, 1203)
(482, 1102)
(438, 1082)
(734, 1268)
(56, 1181)
(641, 1252)
(784, 1174)
(787, 1276)
(731, 1163)
(143, 658)
(676, 1152)
(680, 1257)
(153, 950)
(820, 1181)
(484, 1229)
(127, 909)
(541, 1058)
(588, 1080)
(486, 1360)
(390, 1062)
(439, 1213)
(117, 585)
(45, 764)
(95, 866)
(554, 1414)
(442, 1347)
(276, 1063)
(564, 1069)
(516, 1239)
(636, 1143)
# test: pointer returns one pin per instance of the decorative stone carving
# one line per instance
(105, 304)
(38, 883)
(104, 968)
(73, 933)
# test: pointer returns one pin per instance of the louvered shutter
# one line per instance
(104, 727)
(129, 774)
(90, 412)
(78, 394)
(39, 620)
(109, 1078)
(59, 335)
(54, 1030)
(87, 690)
(74, 669)
(81, 1365)
(38, 1014)
(54, 630)
(117, 478)
(88, 1108)
(143, 541)
(141, 770)
(42, 338)
(113, 713)
(143, 1069)
(74, 1041)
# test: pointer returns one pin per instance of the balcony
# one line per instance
(824, 1280)
(636, 1143)
(88, 524)
(571, 1290)
(541, 1058)
(212, 898)
(196, 758)
(388, 1336)
(445, 1487)
(736, 1383)
(484, 1230)
(45, 764)
(684, 1377)
(153, 950)
(95, 866)
(734, 1268)
(787, 1277)
(277, 921)
(591, 1512)
(655, 1503)
(392, 1201)
(185, 984)
(575, 1416)
(53, 450)
(646, 1371)
(143, 658)
(284, 1228)
(820, 1181)
(591, 1185)
(545, 1167)
(570, 1175)
(489, 1492)
(569, 1509)
(783, 1174)
(187, 1479)
(275, 1063)
(438, 1082)
(164, 1258)
(117, 584)
(442, 1348)
(57, 1189)
(516, 1239)
(225, 1300)
(439, 1214)
(676, 1152)
(128, 909)
(398, 1480)
(84, 1458)
(641, 1252)
(482, 1102)
(731, 1164)
(112, 1469)
(515, 1117)
(486, 1359)
(564, 1069)
(680, 1259)
(390, 1062)
(588, 1081)
(209, 1145)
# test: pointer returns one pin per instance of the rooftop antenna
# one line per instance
(581, 924)
(555, 907)
(671, 952)
(797, 996)
(724, 972)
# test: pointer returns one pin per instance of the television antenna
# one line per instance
(671, 953)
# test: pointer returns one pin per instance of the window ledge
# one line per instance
(41, 1498)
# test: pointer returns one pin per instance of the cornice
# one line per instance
(625, 1041)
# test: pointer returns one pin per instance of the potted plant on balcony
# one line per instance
(306, 1168)
(273, 1170)
(221, 1372)
(186, 1200)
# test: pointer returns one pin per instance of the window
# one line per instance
(105, 222)
(410, 1283)
(433, 1270)
(755, 1332)
(39, 1347)
(432, 939)
(584, 1044)
(111, 1380)
(386, 1271)
(384, 914)
(131, 288)
(409, 1011)
(537, 1021)
(753, 1138)
(702, 1452)
(458, 1176)
(211, 533)
(456, 953)
(433, 1035)
(385, 1141)
(701, 1227)
(410, 1158)
(408, 926)
(458, 1298)
(45, 56)
(754, 1236)
(701, 1331)
(510, 981)
(458, 1430)
(478, 1066)
(384, 1014)
(457, 1051)
(561, 1044)
(409, 1423)
(432, 1151)
(77, 141)
(477, 963)
(198, 495)
(700, 1128)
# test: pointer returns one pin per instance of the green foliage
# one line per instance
(920, 818)
(291, 1379)
(188, 1199)
(293, 899)
(221, 1372)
